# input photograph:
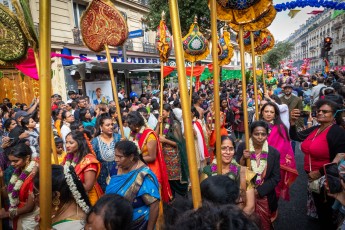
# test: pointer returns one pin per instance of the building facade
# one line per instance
(309, 38)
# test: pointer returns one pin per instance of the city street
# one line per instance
(292, 214)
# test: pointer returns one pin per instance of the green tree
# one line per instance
(187, 10)
(280, 51)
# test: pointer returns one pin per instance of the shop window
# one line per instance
(144, 28)
(78, 10)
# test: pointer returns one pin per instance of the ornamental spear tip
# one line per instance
(163, 15)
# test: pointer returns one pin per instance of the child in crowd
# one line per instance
(59, 150)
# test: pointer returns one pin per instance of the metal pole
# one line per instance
(113, 86)
(244, 91)
(45, 114)
(263, 74)
(187, 118)
(254, 77)
(216, 83)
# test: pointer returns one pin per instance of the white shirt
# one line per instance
(284, 115)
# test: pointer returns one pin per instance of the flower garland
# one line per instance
(166, 128)
(234, 168)
(135, 137)
(258, 168)
(71, 160)
(74, 190)
(16, 182)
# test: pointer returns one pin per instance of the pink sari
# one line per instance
(288, 171)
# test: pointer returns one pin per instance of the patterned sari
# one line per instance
(90, 163)
(141, 188)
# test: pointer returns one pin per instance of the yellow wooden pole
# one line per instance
(191, 84)
(216, 83)
(113, 86)
(263, 74)
(161, 98)
(254, 77)
(187, 118)
(45, 114)
(244, 91)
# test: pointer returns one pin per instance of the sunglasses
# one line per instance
(324, 111)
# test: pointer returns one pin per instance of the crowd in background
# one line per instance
(103, 180)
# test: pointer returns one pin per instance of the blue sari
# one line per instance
(141, 188)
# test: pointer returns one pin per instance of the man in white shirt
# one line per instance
(315, 92)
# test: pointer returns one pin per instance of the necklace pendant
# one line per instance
(107, 181)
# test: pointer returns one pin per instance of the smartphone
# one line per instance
(304, 114)
(333, 178)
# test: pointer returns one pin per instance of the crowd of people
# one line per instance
(102, 180)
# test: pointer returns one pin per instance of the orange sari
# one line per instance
(90, 163)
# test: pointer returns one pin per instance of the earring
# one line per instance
(101, 130)
(56, 201)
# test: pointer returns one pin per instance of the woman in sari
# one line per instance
(211, 125)
(150, 149)
(279, 139)
(68, 211)
(22, 209)
(264, 161)
(81, 156)
(104, 147)
(174, 151)
(240, 174)
(57, 117)
(137, 183)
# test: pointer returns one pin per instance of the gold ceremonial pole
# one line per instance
(161, 98)
(45, 114)
(254, 77)
(187, 118)
(244, 91)
(263, 74)
(216, 83)
(113, 86)
(191, 84)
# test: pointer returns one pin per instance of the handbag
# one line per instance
(315, 185)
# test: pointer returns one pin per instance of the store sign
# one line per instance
(136, 34)
(116, 58)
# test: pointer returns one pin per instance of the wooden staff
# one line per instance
(187, 118)
(45, 114)
(244, 91)
(161, 98)
(254, 77)
(113, 86)
(263, 74)
(216, 83)
(191, 84)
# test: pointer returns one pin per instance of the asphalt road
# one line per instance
(292, 214)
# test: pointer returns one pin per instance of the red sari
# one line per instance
(158, 167)
(90, 163)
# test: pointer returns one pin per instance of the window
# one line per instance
(78, 10)
(144, 28)
(8, 4)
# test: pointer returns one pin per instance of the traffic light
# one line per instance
(327, 43)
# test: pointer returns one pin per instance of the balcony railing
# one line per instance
(76, 36)
(142, 2)
(336, 26)
(149, 47)
(304, 43)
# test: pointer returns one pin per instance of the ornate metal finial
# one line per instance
(226, 27)
(163, 15)
(195, 19)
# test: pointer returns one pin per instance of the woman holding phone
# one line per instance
(320, 144)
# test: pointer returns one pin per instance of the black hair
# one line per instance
(176, 208)
(172, 118)
(75, 125)
(334, 106)
(8, 123)
(256, 124)
(22, 106)
(112, 110)
(56, 113)
(60, 185)
(82, 114)
(155, 105)
(128, 148)
(220, 189)
(195, 112)
(135, 118)
(211, 216)
(58, 140)
(25, 121)
(276, 99)
(83, 148)
(142, 110)
(91, 130)
(115, 210)
(100, 122)
(277, 120)
(20, 150)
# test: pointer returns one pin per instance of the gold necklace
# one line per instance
(61, 210)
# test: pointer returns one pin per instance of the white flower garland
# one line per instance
(134, 139)
(73, 188)
(14, 201)
(258, 168)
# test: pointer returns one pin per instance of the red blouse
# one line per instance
(316, 146)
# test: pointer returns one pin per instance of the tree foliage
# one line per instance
(187, 10)
(280, 51)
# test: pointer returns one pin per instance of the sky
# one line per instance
(283, 25)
